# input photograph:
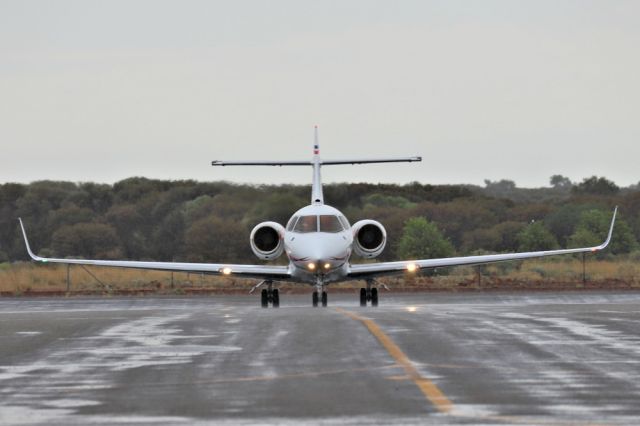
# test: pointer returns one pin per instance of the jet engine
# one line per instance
(369, 238)
(267, 240)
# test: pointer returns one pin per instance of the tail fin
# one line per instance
(316, 144)
(316, 162)
(317, 197)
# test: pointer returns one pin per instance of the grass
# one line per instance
(26, 277)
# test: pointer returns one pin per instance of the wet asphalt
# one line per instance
(542, 358)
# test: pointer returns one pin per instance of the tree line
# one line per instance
(147, 219)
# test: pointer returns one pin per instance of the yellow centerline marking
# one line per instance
(426, 386)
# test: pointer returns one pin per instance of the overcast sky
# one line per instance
(101, 91)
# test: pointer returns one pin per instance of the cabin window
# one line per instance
(306, 224)
(330, 223)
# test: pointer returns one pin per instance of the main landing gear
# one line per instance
(369, 294)
(269, 295)
(272, 297)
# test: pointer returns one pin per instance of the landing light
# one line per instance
(311, 266)
(412, 267)
(226, 270)
(411, 308)
(327, 265)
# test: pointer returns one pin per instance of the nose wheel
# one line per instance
(319, 295)
(318, 298)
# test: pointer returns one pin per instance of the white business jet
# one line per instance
(318, 241)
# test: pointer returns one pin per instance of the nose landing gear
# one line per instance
(319, 298)
(319, 295)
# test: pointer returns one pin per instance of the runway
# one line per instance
(544, 358)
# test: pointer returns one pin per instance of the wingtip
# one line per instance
(613, 221)
(24, 234)
(26, 242)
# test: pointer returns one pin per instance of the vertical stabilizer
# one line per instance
(316, 188)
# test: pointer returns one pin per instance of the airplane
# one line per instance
(318, 241)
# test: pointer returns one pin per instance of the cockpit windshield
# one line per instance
(330, 223)
(306, 224)
(313, 223)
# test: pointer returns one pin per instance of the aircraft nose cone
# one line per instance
(319, 262)
(328, 260)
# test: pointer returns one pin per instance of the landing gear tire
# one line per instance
(363, 297)
(374, 297)
(324, 299)
(314, 299)
(270, 296)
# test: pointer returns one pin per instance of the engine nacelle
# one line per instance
(267, 240)
(369, 238)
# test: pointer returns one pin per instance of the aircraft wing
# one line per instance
(373, 270)
(280, 273)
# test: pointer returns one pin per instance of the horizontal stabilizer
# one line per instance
(371, 160)
(261, 163)
(322, 162)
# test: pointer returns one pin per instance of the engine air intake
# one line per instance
(266, 239)
(369, 238)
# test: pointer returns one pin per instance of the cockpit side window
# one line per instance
(306, 224)
(344, 222)
(330, 223)
(292, 223)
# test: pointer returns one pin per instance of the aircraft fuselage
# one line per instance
(318, 242)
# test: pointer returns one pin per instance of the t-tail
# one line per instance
(316, 162)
